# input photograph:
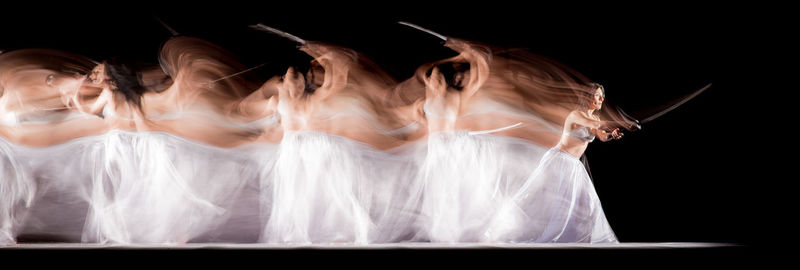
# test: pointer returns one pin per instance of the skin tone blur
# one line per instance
(193, 104)
(441, 106)
(340, 105)
(339, 95)
(37, 108)
(118, 113)
(476, 105)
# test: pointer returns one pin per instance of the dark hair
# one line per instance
(124, 79)
(311, 78)
(453, 73)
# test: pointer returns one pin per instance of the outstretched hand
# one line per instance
(615, 134)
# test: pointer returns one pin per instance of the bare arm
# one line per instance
(479, 65)
(336, 65)
(335, 77)
(597, 127)
(606, 135)
(272, 106)
(578, 118)
(435, 85)
(257, 103)
(410, 113)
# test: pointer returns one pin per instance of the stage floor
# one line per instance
(556, 246)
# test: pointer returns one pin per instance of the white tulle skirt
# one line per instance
(55, 180)
(313, 188)
(16, 192)
(154, 187)
(325, 188)
(463, 179)
(557, 203)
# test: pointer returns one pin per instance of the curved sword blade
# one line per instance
(442, 37)
(675, 105)
(237, 73)
(268, 29)
(174, 33)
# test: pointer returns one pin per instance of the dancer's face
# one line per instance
(599, 97)
(98, 75)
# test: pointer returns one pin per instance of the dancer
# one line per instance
(330, 181)
(353, 94)
(203, 104)
(465, 169)
(149, 186)
(40, 132)
(315, 182)
(558, 203)
(460, 170)
(34, 88)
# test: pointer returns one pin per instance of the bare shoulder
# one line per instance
(575, 114)
(572, 118)
(583, 115)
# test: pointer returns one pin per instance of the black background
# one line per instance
(697, 174)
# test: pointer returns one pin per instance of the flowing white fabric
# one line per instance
(16, 192)
(312, 188)
(325, 189)
(463, 179)
(154, 187)
(59, 206)
(557, 203)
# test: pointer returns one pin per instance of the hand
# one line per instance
(436, 82)
(293, 82)
(615, 134)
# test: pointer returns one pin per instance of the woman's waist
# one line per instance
(570, 151)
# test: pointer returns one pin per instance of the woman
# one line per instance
(330, 182)
(483, 141)
(558, 203)
(455, 190)
(40, 134)
(34, 88)
(311, 194)
(149, 186)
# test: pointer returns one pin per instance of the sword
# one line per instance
(236, 74)
(174, 33)
(268, 29)
(440, 36)
(675, 105)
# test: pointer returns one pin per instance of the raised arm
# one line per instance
(435, 85)
(336, 63)
(479, 65)
(258, 102)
